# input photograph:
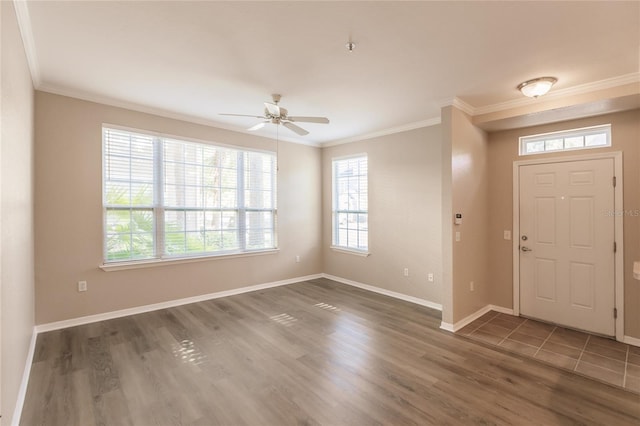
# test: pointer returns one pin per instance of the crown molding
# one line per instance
(404, 128)
(26, 32)
(580, 89)
(458, 103)
(463, 106)
(105, 100)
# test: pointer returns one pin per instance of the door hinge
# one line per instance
(615, 247)
(615, 313)
(614, 181)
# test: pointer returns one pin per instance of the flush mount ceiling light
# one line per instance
(537, 86)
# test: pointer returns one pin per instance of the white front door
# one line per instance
(567, 244)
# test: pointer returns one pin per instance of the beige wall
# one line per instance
(404, 214)
(503, 151)
(418, 179)
(16, 211)
(446, 238)
(469, 196)
(68, 216)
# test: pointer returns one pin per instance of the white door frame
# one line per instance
(618, 225)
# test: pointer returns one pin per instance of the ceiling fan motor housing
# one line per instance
(282, 115)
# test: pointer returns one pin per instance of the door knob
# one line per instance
(526, 249)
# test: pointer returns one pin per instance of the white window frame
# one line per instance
(158, 207)
(335, 193)
(564, 135)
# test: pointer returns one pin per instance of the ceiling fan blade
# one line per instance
(322, 120)
(293, 127)
(245, 115)
(257, 126)
(272, 108)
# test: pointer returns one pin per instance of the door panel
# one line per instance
(546, 220)
(582, 285)
(581, 213)
(545, 279)
(566, 257)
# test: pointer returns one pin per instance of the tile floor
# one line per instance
(592, 356)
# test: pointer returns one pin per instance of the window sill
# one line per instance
(120, 266)
(348, 251)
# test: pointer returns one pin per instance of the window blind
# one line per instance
(350, 203)
(191, 199)
(128, 195)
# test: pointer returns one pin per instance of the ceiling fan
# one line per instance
(278, 115)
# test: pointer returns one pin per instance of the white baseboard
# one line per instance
(633, 341)
(406, 298)
(169, 304)
(22, 391)
(58, 325)
(474, 316)
(466, 320)
(447, 326)
(501, 309)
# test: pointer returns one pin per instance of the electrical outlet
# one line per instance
(297, 259)
(507, 235)
(430, 277)
(82, 286)
(472, 286)
(458, 238)
(406, 272)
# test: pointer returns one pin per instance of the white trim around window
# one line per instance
(121, 266)
(350, 204)
(171, 199)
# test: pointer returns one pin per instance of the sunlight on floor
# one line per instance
(189, 353)
(284, 319)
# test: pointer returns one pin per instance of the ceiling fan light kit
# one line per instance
(275, 114)
(537, 87)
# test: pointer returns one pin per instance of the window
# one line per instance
(585, 138)
(168, 198)
(350, 203)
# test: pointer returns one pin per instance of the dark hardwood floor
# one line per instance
(310, 353)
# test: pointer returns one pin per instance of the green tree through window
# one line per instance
(168, 198)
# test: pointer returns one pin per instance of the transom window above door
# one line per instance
(568, 140)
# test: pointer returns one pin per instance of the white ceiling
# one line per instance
(199, 59)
